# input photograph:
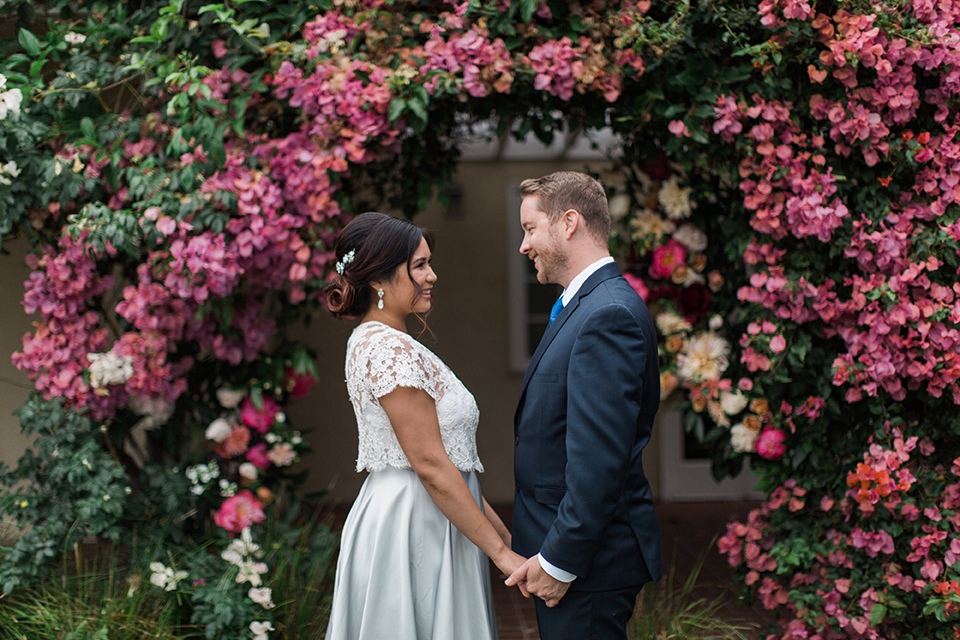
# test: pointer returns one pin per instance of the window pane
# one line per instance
(540, 298)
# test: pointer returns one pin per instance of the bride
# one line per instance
(410, 564)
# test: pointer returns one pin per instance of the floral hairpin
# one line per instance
(347, 259)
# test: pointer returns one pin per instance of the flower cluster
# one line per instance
(165, 577)
(912, 534)
(666, 261)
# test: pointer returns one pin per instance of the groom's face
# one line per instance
(542, 242)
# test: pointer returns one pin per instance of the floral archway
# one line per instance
(787, 204)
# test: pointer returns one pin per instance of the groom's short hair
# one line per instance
(565, 190)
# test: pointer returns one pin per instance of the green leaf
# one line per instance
(86, 127)
(877, 614)
(397, 107)
(29, 42)
(527, 9)
(418, 109)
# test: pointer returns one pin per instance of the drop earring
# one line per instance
(380, 301)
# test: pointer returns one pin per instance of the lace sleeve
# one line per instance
(394, 361)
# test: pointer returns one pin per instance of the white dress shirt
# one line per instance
(556, 572)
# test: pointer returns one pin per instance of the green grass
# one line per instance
(668, 612)
(96, 604)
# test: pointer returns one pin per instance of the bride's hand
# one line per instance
(508, 562)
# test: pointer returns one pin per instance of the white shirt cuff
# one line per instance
(555, 572)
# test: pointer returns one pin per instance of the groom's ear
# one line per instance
(570, 219)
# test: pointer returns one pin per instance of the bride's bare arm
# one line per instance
(497, 523)
(413, 415)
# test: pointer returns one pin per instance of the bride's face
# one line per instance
(413, 292)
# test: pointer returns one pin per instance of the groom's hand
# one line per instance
(531, 578)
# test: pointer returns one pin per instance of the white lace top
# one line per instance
(380, 359)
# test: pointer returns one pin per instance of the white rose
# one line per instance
(732, 402)
(249, 471)
(691, 237)
(230, 398)
(219, 430)
(715, 322)
(742, 439)
(619, 206)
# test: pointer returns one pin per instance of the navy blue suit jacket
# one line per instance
(585, 413)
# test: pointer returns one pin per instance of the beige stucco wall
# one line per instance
(14, 385)
(469, 322)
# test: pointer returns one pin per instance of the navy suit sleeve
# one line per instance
(603, 403)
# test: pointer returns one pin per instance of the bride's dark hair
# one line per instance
(380, 244)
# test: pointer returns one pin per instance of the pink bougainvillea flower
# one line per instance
(239, 512)
(638, 285)
(258, 456)
(298, 384)
(259, 419)
(770, 444)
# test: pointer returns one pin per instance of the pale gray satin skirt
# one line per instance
(405, 572)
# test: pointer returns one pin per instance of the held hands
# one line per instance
(508, 562)
(531, 578)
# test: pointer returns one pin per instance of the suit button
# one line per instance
(518, 486)
(516, 440)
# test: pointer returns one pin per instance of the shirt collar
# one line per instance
(577, 282)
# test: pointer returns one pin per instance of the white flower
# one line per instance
(227, 489)
(262, 597)
(669, 322)
(742, 439)
(165, 577)
(704, 357)
(230, 398)
(219, 430)
(282, 455)
(74, 38)
(239, 548)
(260, 630)
(109, 369)
(155, 411)
(715, 322)
(648, 224)
(10, 102)
(733, 402)
(691, 237)
(619, 206)
(250, 571)
(249, 471)
(675, 199)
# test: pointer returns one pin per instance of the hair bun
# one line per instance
(340, 298)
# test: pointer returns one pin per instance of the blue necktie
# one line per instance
(555, 311)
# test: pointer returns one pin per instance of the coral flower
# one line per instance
(239, 512)
(235, 443)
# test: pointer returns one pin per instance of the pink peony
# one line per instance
(298, 384)
(258, 456)
(770, 444)
(665, 258)
(239, 512)
(259, 419)
(637, 285)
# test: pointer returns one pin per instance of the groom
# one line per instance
(583, 511)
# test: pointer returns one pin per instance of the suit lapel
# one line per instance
(603, 273)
